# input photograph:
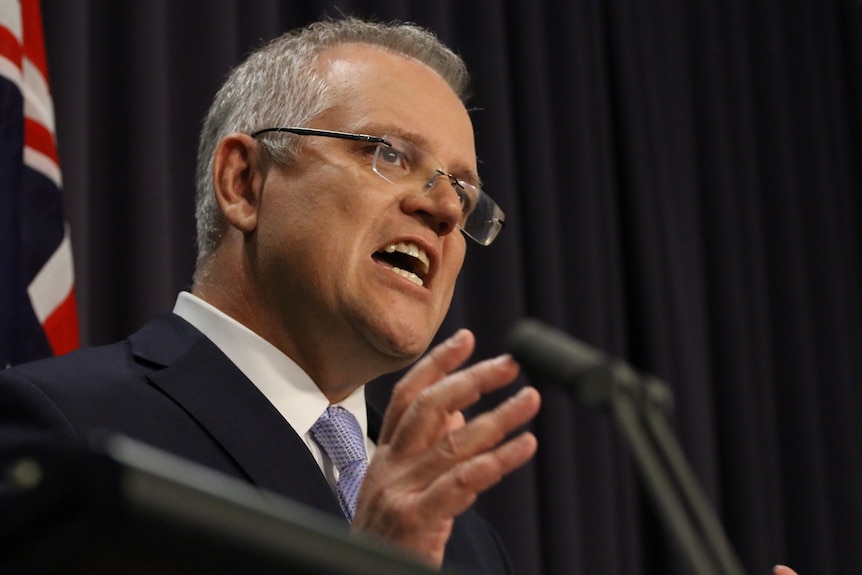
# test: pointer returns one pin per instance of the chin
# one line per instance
(402, 347)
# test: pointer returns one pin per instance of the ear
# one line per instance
(238, 176)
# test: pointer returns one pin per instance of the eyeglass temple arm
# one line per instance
(325, 133)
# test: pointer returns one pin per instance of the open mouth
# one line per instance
(406, 259)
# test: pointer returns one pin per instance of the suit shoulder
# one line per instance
(85, 365)
(155, 345)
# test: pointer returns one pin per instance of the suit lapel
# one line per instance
(213, 391)
(375, 421)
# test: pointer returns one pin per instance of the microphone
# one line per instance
(591, 375)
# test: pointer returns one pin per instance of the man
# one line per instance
(337, 187)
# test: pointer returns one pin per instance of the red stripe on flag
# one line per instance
(61, 327)
(38, 137)
(10, 47)
(34, 38)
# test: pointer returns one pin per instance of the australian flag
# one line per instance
(38, 315)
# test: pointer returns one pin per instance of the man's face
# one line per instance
(328, 223)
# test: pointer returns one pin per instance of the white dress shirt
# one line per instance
(293, 393)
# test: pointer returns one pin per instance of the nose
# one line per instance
(437, 204)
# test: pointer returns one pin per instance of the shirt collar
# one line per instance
(293, 393)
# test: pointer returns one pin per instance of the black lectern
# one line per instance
(127, 508)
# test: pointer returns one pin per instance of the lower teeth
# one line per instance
(409, 275)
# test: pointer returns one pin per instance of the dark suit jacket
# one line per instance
(171, 387)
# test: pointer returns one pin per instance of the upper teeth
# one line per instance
(412, 250)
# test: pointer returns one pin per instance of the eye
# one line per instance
(391, 158)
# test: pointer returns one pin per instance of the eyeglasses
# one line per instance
(397, 160)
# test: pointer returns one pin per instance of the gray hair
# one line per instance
(279, 85)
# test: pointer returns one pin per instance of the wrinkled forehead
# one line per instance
(372, 86)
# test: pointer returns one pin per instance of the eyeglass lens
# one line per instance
(482, 217)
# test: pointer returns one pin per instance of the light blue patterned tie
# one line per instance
(339, 434)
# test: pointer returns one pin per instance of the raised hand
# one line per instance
(430, 464)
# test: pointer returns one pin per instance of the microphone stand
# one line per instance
(655, 421)
(638, 407)
(639, 413)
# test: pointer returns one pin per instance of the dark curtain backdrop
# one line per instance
(682, 181)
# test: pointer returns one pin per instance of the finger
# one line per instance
(481, 434)
(426, 419)
(490, 428)
(464, 388)
(456, 421)
(442, 360)
(453, 492)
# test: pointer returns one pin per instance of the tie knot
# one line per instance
(339, 434)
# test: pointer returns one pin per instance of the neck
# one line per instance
(332, 352)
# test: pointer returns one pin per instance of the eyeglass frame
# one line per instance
(496, 224)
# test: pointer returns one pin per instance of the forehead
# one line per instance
(373, 87)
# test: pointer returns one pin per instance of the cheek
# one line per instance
(456, 254)
(453, 260)
(286, 231)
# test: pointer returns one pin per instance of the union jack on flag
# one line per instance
(38, 315)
